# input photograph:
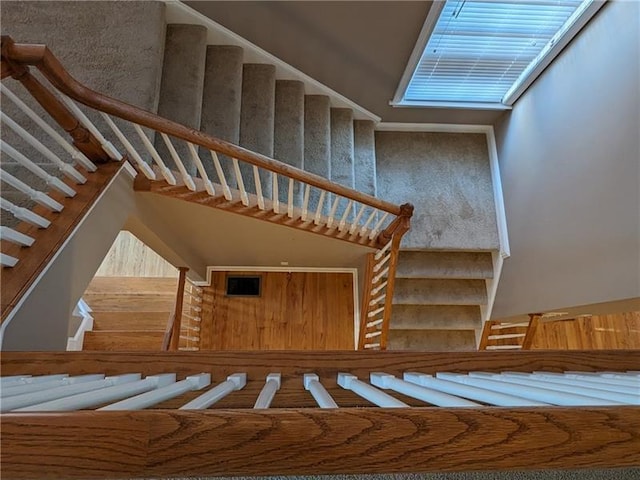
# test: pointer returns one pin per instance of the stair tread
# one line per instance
(432, 340)
(125, 320)
(123, 340)
(424, 291)
(133, 285)
(444, 264)
(435, 317)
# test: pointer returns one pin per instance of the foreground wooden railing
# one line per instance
(259, 413)
(377, 296)
(247, 183)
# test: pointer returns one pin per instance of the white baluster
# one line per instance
(234, 382)
(43, 385)
(159, 395)
(503, 347)
(604, 378)
(8, 260)
(567, 380)
(345, 215)
(483, 395)
(384, 249)
(34, 142)
(190, 338)
(374, 323)
(290, 199)
(375, 230)
(509, 325)
(133, 153)
(271, 386)
(23, 214)
(166, 173)
(127, 386)
(107, 146)
(356, 221)
(375, 312)
(322, 397)
(506, 336)
(379, 287)
(525, 379)
(316, 220)
(372, 345)
(381, 263)
(10, 235)
(373, 334)
(372, 394)
(39, 197)
(305, 202)
(208, 186)
(532, 393)
(275, 194)
(377, 300)
(186, 178)
(364, 228)
(382, 274)
(332, 212)
(75, 154)
(9, 380)
(243, 193)
(226, 191)
(54, 182)
(256, 176)
(434, 397)
(74, 386)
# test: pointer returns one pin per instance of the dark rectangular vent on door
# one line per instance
(243, 286)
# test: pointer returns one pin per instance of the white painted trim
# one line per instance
(178, 12)
(580, 18)
(498, 197)
(451, 104)
(44, 271)
(427, 28)
(433, 127)
(352, 271)
(75, 343)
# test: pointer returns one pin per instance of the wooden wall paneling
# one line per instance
(297, 310)
(615, 331)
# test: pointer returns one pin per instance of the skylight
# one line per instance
(485, 53)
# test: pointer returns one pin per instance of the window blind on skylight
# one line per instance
(479, 48)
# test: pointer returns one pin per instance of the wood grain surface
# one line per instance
(162, 443)
(295, 311)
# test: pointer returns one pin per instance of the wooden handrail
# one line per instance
(82, 138)
(42, 58)
(175, 321)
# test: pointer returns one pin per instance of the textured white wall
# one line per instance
(570, 163)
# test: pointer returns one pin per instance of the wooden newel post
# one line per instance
(177, 318)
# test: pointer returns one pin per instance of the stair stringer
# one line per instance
(39, 321)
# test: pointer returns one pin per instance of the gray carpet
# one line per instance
(182, 85)
(256, 119)
(221, 99)
(447, 178)
(317, 140)
(595, 474)
(288, 135)
(364, 167)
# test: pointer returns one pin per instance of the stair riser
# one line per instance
(450, 265)
(437, 317)
(439, 292)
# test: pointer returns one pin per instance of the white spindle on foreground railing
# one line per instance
(159, 395)
(37, 196)
(450, 390)
(234, 382)
(124, 386)
(10, 235)
(271, 386)
(321, 396)
(366, 391)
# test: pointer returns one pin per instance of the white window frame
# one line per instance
(560, 40)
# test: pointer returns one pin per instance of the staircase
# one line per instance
(441, 287)
(129, 313)
(438, 293)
